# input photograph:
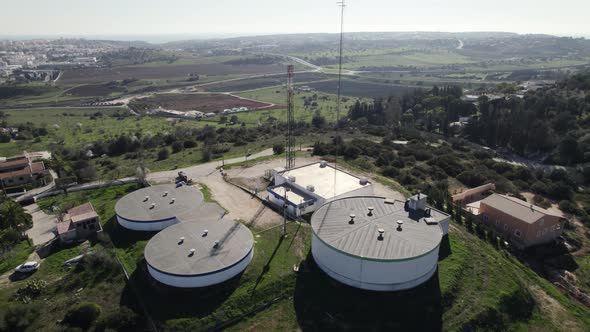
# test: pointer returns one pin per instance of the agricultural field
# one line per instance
(196, 101)
(263, 82)
(158, 72)
(93, 90)
(360, 89)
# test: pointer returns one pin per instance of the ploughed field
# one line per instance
(99, 75)
(198, 102)
(361, 89)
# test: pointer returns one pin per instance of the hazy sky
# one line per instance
(152, 17)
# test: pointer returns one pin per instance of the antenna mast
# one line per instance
(290, 148)
(342, 5)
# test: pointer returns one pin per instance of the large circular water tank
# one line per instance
(157, 207)
(376, 243)
(198, 254)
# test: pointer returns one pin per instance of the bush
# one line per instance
(123, 319)
(472, 178)
(278, 148)
(390, 171)
(30, 290)
(83, 315)
(568, 207)
(163, 154)
(18, 317)
(560, 190)
(190, 144)
(177, 147)
(540, 201)
(539, 188)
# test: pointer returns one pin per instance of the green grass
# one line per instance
(207, 196)
(269, 275)
(16, 256)
(477, 287)
(583, 272)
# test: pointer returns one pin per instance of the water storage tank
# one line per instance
(199, 254)
(376, 243)
(157, 207)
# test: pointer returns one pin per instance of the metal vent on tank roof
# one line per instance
(323, 163)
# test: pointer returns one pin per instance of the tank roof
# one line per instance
(166, 253)
(135, 207)
(406, 234)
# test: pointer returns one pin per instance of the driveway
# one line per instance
(43, 225)
(201, 171)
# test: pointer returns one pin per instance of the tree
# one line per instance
(141, 173)
(13, 215)
(318, 120)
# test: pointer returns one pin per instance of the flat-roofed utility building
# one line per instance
(308, 187)
(376, 243)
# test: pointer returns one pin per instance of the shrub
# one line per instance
(163, 154)
(18, 317)
(123, 319)
(190, 144)
(278, 148)
(539, 188)
(559, 190)
(83, 315)
(30, 290)
(177, 147)
(540, 201)
(390, 171)
(472, 178)
(568, 207)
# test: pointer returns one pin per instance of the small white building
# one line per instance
(308, 187)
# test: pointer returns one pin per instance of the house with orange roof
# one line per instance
(79, 223)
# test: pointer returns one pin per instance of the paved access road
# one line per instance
(43, 225)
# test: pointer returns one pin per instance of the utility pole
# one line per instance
(290, 148)
(285, 207)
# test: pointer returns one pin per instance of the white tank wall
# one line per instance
(444, 225)
(373, 275)
(201, 281)
(146, 226)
